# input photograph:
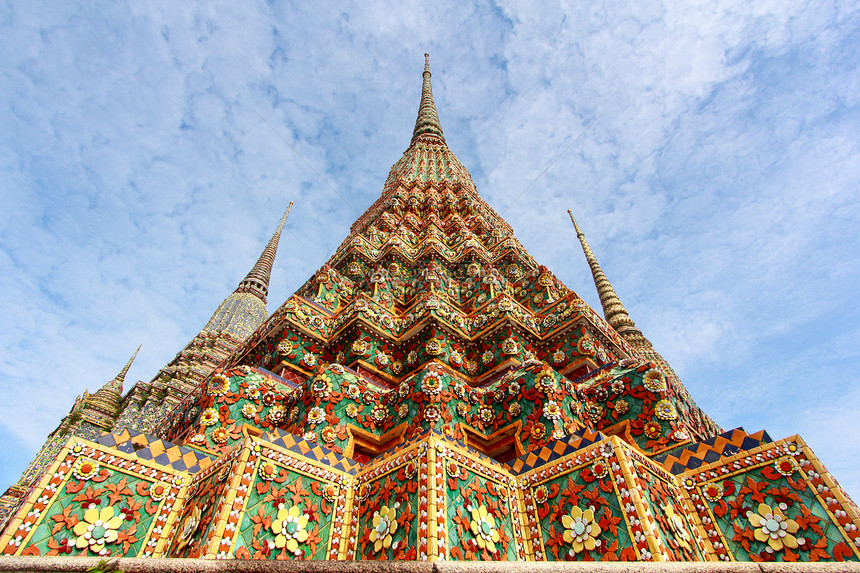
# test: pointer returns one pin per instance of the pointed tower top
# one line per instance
(121, 376)
(614, 312)
(257, 280)
(102, 407)
(427, 123)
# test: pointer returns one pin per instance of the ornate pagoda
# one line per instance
(431, 393)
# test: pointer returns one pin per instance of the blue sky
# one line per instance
(718, 184)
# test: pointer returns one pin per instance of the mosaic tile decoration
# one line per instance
(149, 447)
(711, 450)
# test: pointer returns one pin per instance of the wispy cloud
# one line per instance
(717, 188)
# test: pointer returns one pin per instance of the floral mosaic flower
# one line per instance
(433, 347)
(352, 410)
(289, 528)
(547, 383)
(253, 392)
(484, 529)
(352, 392)
(665, 410)
(713, 491)
(412, 357)
(219, 385)
(209, 417)
(316, 415)
(431, 413)
(653, 430)
(486, 414)
(330, 492)
(600, 469)
(268, 471)
(403, 410)
(359, 346)
(676, 524)
(772, 526)
(329, 434)
(189, 526)
(410, 469)
(268, 398)
(384, 526)
(198, 439)
(513, 389)
(431, 384)
(552, 410)
(285, 347)
(515, 409)
(379, 413)
(558, 357)
(594, 411)
(510, 346)
(85, 468)
(249, 411)
(309, 360)
(541, 494)
(617, 386)
(321, 386)
(382, 360)
(621, 406)
(277, 414)
(654, 380)
(310, 436)
(77, 449)
(580, 530)
(487, 357)
(455, 358)
(537, 431)
(585, 346)
(98, 527)
(688, 483)
(785, 465)
(158, 490)
(220, 436)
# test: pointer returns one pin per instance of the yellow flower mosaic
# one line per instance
(484, 528)
(384, 526)
(771, 525)
(580, 530)
(290, 528)
(98, 527)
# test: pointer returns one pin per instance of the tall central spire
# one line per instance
(427, 123)
(257, 280)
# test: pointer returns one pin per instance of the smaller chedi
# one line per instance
(431, 393)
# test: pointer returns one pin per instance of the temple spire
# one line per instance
(257, 280)
(427, 123)
(121, 376)
(614, 312)
(103, 407)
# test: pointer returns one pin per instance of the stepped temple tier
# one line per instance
(432, 392)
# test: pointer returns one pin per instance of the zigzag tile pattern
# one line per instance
(164, 453)
(555, 450)
(311, 450)
(711, 450)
